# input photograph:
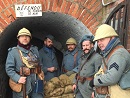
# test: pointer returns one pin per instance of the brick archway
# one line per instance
(86, 11)
(90, 12)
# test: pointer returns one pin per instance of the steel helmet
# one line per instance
(104, 31)
(24, 31)
(71, 41)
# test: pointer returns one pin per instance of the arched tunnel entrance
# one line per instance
(61, 26)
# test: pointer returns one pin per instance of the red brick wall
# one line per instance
(91, 12)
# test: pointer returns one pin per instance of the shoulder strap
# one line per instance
(20, 54)
(75, 55)
(110, 54)
(24, 60)
(116, 48)
(86, 61)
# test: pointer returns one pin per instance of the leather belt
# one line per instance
(35, 70)
(27, 71)
(83, 79)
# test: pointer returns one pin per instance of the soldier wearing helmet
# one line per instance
(18, 58)
(24, 31)
(89, 65)
(115, 62)
(71, 56)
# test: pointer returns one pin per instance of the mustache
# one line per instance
(70, 48)
(86, 49)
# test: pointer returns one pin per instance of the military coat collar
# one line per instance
(116, 43)
(71, 52)
(24, 50)
(46, 51)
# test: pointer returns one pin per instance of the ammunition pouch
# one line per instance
(24, 71)
(27, 71)
(33, 63)
(102, 90)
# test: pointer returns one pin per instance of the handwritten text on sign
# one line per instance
(28, 10)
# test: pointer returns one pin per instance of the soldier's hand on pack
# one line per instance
(22, 80)
(74, 87)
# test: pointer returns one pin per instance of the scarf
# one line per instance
(108, 47)
(27, 47)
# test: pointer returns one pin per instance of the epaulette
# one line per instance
(12, 48)
(35, 47)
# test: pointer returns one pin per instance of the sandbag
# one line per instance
(71, 77)
(48, 87)
(56, 82)
(68, 89)
(53, 97)
(57, 92)
(59, 87)
(64, 80)
(68, 96)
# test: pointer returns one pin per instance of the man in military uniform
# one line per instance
(116, 60)
(15, 65)
(71, 57)
(48, 59)
(89, 65)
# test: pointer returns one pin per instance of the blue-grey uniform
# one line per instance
(48, 59)
(116, 64)
(91, 66)
(13, 64)
(71, 60)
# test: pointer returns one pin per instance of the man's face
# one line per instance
(71, 47)
(86, 46)
(48, 43)
(24, 39)
(102, 43)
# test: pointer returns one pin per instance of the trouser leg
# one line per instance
(17, 95)
(78, 95)
(37, 95)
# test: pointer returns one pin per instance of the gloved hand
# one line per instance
(69, 73)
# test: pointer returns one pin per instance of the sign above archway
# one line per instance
(28, 10)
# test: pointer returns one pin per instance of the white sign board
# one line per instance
(28, 10)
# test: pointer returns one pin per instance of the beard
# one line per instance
(49, 46)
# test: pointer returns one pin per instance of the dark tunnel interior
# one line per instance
(61, 26)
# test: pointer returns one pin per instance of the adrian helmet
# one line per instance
(24, 31)
(71, 41)
(104, 31)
